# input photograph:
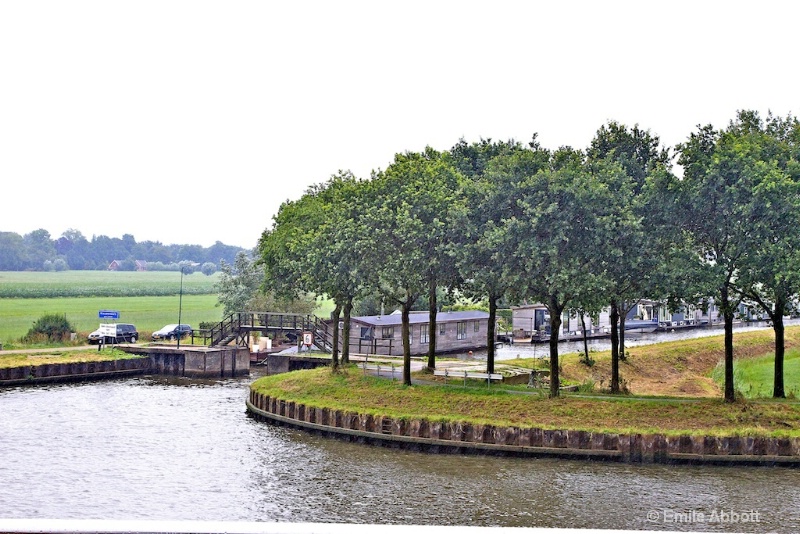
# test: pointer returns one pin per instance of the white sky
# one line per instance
(191, 121)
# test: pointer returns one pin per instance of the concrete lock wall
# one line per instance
(436, 436)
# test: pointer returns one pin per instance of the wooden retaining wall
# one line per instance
(74, 371)
(489, 439)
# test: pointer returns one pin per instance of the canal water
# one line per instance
(632, 339)
(179, 449)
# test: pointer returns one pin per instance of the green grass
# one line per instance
(753, 378)
(55, 356)
(148, 299)
(351, 390)
(15, 284)
(147, 313)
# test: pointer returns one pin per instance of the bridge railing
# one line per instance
(238, 325)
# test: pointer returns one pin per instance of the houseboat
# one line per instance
(455, 332)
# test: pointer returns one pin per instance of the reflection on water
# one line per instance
(181, 449)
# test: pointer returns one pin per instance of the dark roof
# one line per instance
(420, 318)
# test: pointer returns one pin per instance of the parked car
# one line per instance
(125, 332)
(172, 331)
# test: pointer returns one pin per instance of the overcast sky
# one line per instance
(191, 122)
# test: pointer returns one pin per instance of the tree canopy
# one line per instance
(574, 230)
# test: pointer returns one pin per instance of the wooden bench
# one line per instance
(447, 373)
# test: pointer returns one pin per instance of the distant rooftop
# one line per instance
(421, 318)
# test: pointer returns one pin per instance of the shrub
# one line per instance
(208, 268)
(53, 326)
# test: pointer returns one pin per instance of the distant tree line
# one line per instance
(38, 251)
(572, 229)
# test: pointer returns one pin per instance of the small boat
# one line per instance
(638, 325)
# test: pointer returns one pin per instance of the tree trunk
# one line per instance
(432, 325)
(776, 315)
(622, 317)
(730, 393)
(491, 333)
(555, 330)
(406, 307)
(614, 319)
(335, 348)
(585, 341)
(777, 325)
(348, 308)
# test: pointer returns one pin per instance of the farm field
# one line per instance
(147, 299)
(14, 284)
(147, 313)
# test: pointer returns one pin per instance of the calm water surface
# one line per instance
(152, 448)
(632, 339)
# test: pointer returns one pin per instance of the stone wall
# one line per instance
(439, 436)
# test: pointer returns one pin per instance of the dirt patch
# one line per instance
(679, 369)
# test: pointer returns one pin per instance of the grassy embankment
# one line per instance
(19, 359)
(688, 368)
(351, 390)
(677, 376)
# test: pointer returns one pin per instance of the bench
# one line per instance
(446, 373)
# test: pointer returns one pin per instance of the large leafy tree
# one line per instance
(552, 248)
(334, 253)
(314, 247)
(494, 172)
(406, 216)
(627, 271)
(717, 206)
(769, 275)
(238, 284)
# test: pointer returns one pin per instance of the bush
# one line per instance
(53, 326)
(208, 268)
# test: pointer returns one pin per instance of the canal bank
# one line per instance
(463, 419)
(155, 449)
(463, 437)
(191, 361)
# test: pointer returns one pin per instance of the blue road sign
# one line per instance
(108, 314)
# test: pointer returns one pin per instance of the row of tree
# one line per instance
(37, 251)
(572, 229)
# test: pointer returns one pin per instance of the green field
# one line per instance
(754, 377)
(147, 299)
(15, 284)
(147, 313)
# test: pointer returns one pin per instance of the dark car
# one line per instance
(172, 331)
(125, 332)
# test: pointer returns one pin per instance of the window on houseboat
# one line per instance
(477, 326)
(387, 332)
(461, 330)
(441, 329)
(423, 334)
